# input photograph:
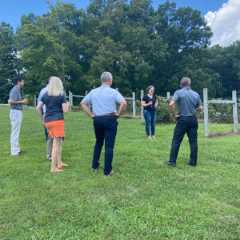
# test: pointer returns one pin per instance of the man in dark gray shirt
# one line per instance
(188, 102)
(16, 102)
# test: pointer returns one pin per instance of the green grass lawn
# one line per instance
(145, 199)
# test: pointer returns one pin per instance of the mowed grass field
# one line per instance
(145, 199)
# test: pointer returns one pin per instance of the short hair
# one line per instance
(17, 79)
(185, 82)
(106, 76)
(55, 86)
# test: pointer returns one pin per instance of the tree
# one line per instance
(140, 45)
(8, 60)
(225, 62)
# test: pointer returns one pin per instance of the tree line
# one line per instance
(139, 44)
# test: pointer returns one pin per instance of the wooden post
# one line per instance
(235, 111)
(35, 101)
(134, 104)
(168, 95)
(205, 108)
(142, 95)
(70, 96)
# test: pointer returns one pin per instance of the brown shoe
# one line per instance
(64, 165)
(57, 170)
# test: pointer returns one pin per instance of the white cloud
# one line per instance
(225, 23)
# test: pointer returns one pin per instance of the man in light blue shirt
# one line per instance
(48, 139)
(101, 105)
(41, 94)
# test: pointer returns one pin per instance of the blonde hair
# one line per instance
(55, 87)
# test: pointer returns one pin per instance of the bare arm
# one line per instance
(199, 105)
(24, 101)
(65, 107)
(122, 107)
(39, 110)
(86, 109)
(171, 105)
(144, 104)
(200, 108)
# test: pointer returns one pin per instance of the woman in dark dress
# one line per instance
(149, 103)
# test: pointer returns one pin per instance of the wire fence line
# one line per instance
(212, 107)
(134, 108)
(233, 102)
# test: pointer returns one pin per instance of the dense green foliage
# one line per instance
(145, 199)
(139, 44)
(8, 60)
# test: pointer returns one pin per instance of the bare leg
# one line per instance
(59, 153)
(61, 163)
(55, 154)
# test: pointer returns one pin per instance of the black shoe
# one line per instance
(192, 164)
(109, 174)
(171, 164)
(21, 152)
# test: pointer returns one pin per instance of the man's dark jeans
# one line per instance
(105, 130)
(150, 122)
(184, 125)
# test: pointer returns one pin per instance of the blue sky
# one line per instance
(12, 10)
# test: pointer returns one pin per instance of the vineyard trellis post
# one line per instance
(70, 96)
(141, 98)
(206, 103)
(134, 104)
(205, 107)
(235, 111)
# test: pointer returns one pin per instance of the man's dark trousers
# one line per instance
(105, 131)
(184, 125)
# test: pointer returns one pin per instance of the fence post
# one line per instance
(235, 111)
(141, 96)
(35, 101)
(70, 96)
(86, 92)
(168, 95)
(134, 104)
(205, 109)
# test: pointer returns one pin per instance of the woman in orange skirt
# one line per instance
(56, 106)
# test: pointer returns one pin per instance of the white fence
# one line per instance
(206, 103)
(132, 99)
(136, 102)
